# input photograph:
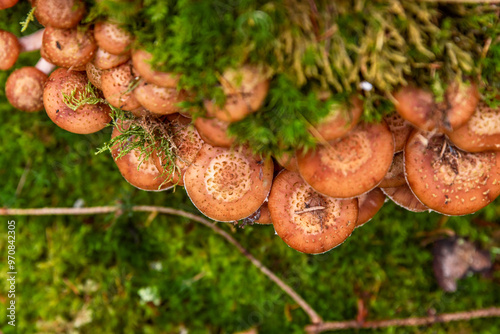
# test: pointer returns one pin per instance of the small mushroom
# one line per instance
(105, 60)
(159, 100)
(482, 131)
(447, 179)
(228, 184)
(142, 64)
(68, 48)
(61, 14)
(24, 89)
(214, 131)
(245, 89)
(288, 161)
(369, 204)
(341, 119)
(94, 74)
(400, 129)
(418, 106)
(306, 220)
(117, 86)
(9, 49)
(351, 165)
(138, 171)
(111, 38)
(87, 118)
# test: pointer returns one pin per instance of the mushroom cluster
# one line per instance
(431, 154)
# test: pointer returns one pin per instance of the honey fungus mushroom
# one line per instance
(24, 88)
(228, 184)
(87, 118)
(352, 165)
(368, 205)
(245, 90)
(4, 4)
(341, 119)
(111, 38)
(135, 168)
(116, 86)
(306, 220)
(419, 107)
(142, 64)
(482, 131)
(61, 14)
(447, 179)
(9, 49)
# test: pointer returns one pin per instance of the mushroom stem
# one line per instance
(31, 42)
(313, 208)
(45, 66)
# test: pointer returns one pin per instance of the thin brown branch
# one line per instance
(314, 317)
(423, 321)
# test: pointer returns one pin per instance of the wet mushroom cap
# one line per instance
(142, 65)
(117, 86)
(288, 161)
(341, 119)
(157, 99)
(482, 131)
(306, 220)
(214, 131)
(88, 118)
(111, 38)
(462, 99)
(141, 174)
(369, 204)
(228, 184)
(9, 49)
(404, 197)
(352, 165)
(448, 180)
(24, 89)
(416, 105)
(61, 14)
(69, 48)
(264, 215)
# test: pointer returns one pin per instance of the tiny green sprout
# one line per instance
(29, 18)
(77, 99)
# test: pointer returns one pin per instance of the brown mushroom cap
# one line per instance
(111, 38)
(228, 185)
(105, 60)
(369, 204)
(61, 14)
(404, 197)
(9, 49)
(341, 119)
(69, 48)
(139, 173)
(245, 90)
(214, 131)
(306, 220)
(400, 129)
(352, 165)
(24, 89)
(418, 106)
(4, 4)
(142, 65)
(395, 177)
(157, 99)
(448, 180)
(88, 118)
(482, 131)
(116, 84)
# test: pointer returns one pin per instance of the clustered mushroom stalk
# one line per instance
(434, 153)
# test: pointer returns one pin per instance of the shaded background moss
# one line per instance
(93, 274)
